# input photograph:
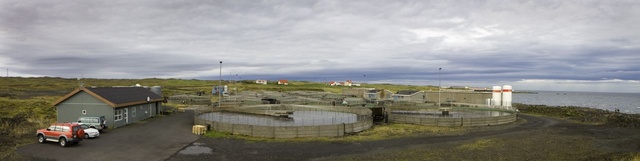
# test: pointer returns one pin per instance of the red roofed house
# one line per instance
(283, 81)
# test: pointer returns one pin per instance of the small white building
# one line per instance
(260, 81)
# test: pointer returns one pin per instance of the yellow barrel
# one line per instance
(199, 129)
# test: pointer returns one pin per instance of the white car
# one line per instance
(89, 132)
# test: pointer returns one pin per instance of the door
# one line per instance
(126, 115)
(150, 111)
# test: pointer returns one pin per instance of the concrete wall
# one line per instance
(364, 122)
(358, 92)
(441, 121)
(287, 131)
(71, 109)
(459, 97)
(416, 97)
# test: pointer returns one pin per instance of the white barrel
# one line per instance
(497, 96)
(507, 91)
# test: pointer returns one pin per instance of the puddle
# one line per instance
(195, 149)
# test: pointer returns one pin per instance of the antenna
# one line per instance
(81, 84)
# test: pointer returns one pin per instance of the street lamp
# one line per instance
(439, 86)
(220, 86)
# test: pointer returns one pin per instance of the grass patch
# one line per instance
(480, 144)
(523, 146)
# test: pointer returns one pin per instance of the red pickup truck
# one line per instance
(63, 133)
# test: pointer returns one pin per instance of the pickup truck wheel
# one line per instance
(63, 142)
(41, 138)
(86, 136)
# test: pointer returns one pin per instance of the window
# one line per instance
(118, 115)
(65, 129)
(84, 112)
(133, 112)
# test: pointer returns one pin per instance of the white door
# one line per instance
(126, 115)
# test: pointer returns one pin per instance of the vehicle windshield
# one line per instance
(84, 126)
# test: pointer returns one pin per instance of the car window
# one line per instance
(57, 128)
(65, 129)
(84, 126)
(52, 128)
(75, 129)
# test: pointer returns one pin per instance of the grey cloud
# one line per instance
(473, 41)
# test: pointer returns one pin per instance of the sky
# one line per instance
(569, 45)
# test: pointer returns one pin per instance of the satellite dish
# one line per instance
(148, 99)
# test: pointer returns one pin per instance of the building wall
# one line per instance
(460, 97)
(132, 114)
(71, 109)
(416, 97)
(358, 92)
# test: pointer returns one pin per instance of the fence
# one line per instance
(458, 121)
(317, 127)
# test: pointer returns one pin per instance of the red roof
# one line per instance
(283, 81)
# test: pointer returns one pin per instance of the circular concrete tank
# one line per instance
(288, 121)
(455, 116)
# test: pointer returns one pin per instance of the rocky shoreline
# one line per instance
(583, 114)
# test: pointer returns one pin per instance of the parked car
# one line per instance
(89, 132)
(63, 133)
(96, 122)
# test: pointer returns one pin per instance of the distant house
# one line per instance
(119, 105)
(348, 83)
(283, 81)
(260, 81)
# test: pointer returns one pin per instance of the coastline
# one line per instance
(583, 114)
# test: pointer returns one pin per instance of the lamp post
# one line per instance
(219, 86)
(439, 86)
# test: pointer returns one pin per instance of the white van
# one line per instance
(98, 122)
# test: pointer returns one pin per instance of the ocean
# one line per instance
(625, 102)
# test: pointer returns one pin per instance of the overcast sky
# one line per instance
(532, 45)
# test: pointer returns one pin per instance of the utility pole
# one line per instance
(439, 86)
(220, 86)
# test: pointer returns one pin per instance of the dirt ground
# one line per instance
(530, 138)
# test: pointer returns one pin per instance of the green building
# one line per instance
(119, 105)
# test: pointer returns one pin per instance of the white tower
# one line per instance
(506, 96)
(497, 96)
